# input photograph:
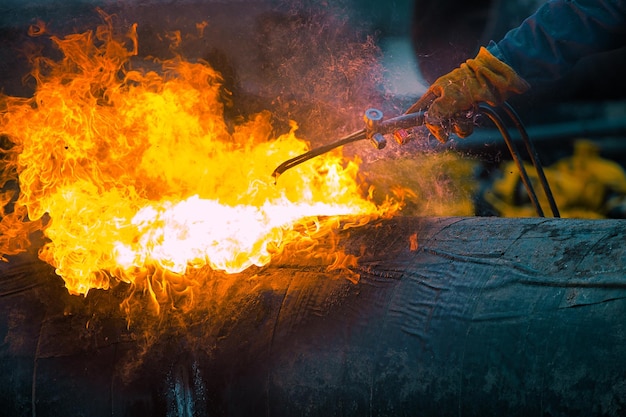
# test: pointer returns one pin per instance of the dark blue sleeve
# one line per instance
(561, 32)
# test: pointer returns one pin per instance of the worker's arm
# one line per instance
(543, 48)
(548, 43)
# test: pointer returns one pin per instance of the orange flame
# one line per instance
(138, 170)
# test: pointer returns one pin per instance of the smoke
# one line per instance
(316, 62)
(318, 66)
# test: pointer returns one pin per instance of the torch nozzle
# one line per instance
(290, 163)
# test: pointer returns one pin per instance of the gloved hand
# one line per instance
(451, 99)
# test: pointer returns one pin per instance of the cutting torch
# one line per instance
(402, 130)
(375, 130)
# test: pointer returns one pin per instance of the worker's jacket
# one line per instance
(561, 32)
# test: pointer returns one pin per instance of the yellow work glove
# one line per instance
(451, 100)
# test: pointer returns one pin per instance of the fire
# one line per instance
(130, 170)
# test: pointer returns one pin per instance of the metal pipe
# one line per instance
(451, 317)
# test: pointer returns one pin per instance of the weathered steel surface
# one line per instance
(451, 317)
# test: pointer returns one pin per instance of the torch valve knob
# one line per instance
(372, 118)
(378, 140)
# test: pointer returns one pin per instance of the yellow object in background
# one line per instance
(584, 185)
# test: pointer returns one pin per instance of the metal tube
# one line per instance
(451, 316)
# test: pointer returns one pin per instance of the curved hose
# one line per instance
(534, 157)
(495, 118)
(532, 152)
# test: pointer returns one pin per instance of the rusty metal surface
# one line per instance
(451, 316)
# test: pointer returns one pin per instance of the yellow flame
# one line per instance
(138, 169)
